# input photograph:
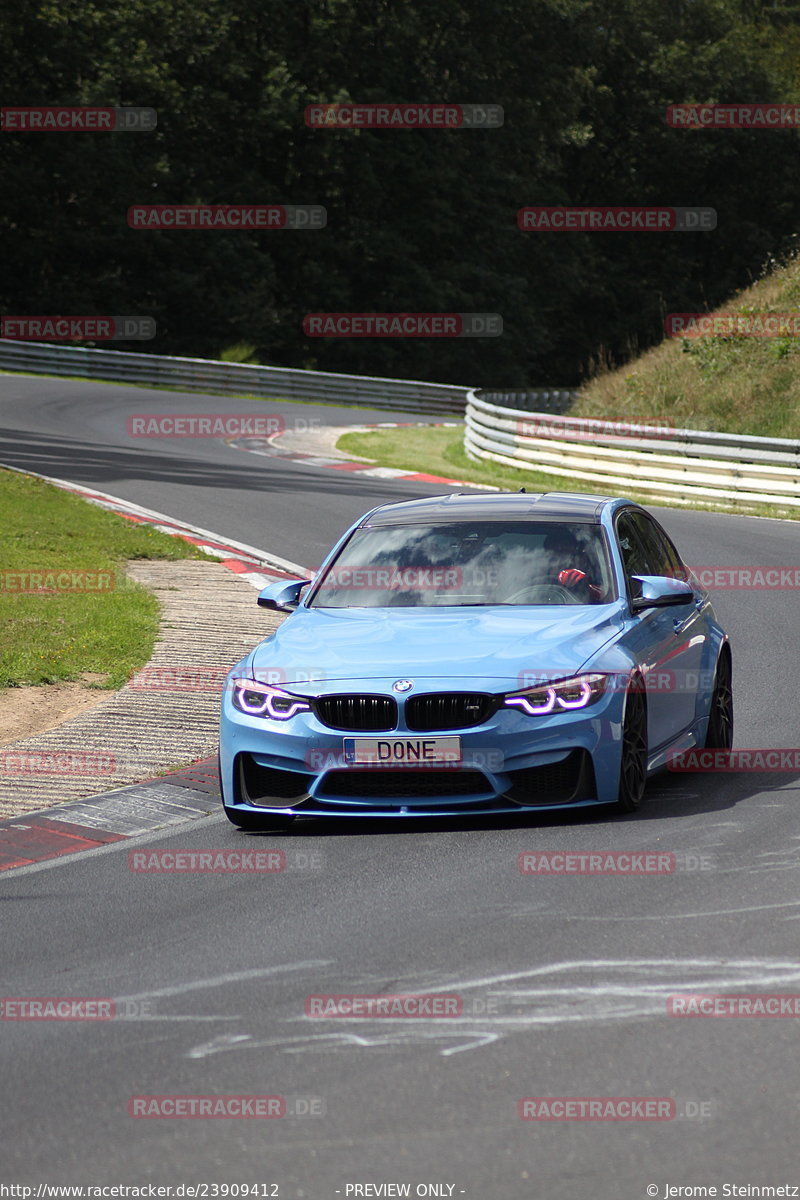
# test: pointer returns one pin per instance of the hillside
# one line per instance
(736, 384)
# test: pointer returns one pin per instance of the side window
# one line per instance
(633, 557)
(656, 553)
(677, 568)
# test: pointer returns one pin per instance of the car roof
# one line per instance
(502, 506)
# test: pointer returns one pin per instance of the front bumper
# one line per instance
(510, 763)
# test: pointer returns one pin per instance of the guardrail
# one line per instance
(671, 463)
(206, 375)
(527, 429)
(555, 400)
(289, 383)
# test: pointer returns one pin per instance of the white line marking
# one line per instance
(201, 985)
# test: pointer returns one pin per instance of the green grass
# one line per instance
(439, 450)
(733, 384)
(61, 636)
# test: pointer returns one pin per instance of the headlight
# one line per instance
(260, 700)
(567, 694)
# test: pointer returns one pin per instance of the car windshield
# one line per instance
(476, 563)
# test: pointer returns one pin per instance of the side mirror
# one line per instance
(660, 591)
(283, 596)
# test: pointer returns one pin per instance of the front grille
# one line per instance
(448, 710)
(382, 782)
(561, 782)
(357, 714)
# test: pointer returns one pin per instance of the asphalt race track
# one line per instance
(563, 980)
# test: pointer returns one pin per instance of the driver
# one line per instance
(562, 547)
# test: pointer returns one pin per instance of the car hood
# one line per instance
(494, 642)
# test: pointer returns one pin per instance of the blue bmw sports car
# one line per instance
(476, 654)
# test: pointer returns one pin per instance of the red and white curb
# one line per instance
(254, 566)
(270, 447)
(96, 821)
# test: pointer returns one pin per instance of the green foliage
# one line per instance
(239, 352)
(418, 221)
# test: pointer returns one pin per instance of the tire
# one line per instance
(258, 822)
(633, 758)
(719, 735)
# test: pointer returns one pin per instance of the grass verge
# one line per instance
(107, 627)
(439, 450)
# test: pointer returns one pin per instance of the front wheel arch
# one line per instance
(634, 747)
(719, 731)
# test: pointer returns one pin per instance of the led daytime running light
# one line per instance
(270, 697)
(557, 695)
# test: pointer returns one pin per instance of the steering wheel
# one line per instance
(543, 593)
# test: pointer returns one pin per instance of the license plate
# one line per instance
(405, 751)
